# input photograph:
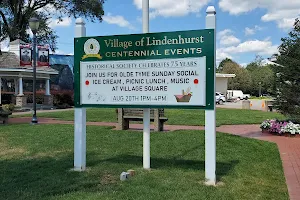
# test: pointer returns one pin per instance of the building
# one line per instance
(16, 80)
(222, 82)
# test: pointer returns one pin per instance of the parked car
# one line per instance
(235, 94)
(220, 98)
(247, 96)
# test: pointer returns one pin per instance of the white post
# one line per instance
(146, 119)
(16, 87)
(47, 89)
(21, 86)
(210, 115)
(80, 117)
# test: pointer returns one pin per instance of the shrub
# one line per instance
(39, 98)
(6, 98)
(281, 126)
(63, 100)
(8, 107)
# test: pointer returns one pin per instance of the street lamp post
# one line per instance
(34, 25)
(259, 89)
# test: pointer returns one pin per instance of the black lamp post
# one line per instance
(259, 89)
(34, 25)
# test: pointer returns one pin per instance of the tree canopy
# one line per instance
(241, 81)
(222, 63)
(251, 78)
(261, 76)
(288, 74)
(14, 16)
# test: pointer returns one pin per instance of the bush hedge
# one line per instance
(63, 100)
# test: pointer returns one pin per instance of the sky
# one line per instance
(245, 28)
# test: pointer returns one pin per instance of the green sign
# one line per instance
(169, 69)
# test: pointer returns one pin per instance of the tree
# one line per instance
(288, 74)
(241, 81)
(65, 80)
(262, 76)
(14, 16)
(222, 63)
(255, 64)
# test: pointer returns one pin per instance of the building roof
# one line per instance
(17, 41)
(218, 75)
(9, 60)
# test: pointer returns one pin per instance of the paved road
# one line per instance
(255, 105)
(41, 111)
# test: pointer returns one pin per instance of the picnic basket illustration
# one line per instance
(185, 97)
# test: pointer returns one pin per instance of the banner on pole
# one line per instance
(25, 55)
(43, 56)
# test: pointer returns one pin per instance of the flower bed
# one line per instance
(282, 128)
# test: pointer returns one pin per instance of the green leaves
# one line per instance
(288, 79)
(14, 16)
(251, 78)
(242, 80)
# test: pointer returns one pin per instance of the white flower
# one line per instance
(291, 128)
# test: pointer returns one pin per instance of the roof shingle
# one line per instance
(11, 60)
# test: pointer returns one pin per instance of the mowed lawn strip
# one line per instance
(175, 116)
(36, 162)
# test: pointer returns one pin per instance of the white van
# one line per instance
(235, 94)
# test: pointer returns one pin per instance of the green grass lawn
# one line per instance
(177, 116)
(35, 163)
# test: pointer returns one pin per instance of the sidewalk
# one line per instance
(41, 111)
(289, 148)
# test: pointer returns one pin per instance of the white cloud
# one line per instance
(286, 23)
(221, 55)
(118, 20)
(66, 21)
(224, 32)
(252, 31)
(282, 12)
(59, 52)
(260, 47)
(227, 38)
(168, 8)
(249, 31)
(244, 64)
